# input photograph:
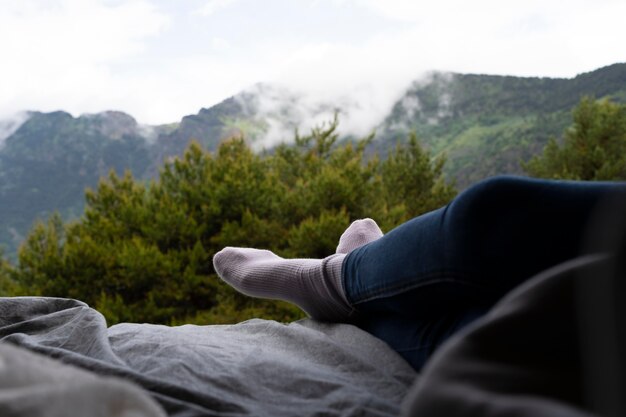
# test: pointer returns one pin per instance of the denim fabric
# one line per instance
(436, 273)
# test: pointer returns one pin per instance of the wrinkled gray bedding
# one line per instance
(255, 368)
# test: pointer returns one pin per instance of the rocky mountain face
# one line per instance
(485, 125)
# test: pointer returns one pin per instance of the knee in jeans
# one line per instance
(498, 185)
(490, 194)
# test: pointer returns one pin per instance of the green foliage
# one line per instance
(593, 148)
(413, 182)
(142, 251)
(41, 260)
(8, 287)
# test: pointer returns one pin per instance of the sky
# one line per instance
(160, 60)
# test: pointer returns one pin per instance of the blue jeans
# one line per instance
(434, 274)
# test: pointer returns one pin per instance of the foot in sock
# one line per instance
(312, 284)
(358, 234)
(315, 285)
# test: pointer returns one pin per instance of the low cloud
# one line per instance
(361, 84)
(149, 133)
(9, 125)
(66, 54)
(282, 111)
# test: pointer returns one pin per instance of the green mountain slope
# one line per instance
(208, 127)
(486, 124)
(47, 163)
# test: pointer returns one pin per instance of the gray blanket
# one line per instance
(255, 368)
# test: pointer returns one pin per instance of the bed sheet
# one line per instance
(254, 368)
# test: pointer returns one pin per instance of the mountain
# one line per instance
(47, 163)
(485, 124)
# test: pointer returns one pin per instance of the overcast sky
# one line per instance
(162, 59)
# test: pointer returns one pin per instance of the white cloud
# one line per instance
(81, 31)
(63, 53)
(213, 6)
(159, 64)
(529, 38)
(220, 44)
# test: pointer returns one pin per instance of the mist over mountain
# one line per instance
(9, 126)
(485, 124)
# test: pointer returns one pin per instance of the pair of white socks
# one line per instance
(315, 285)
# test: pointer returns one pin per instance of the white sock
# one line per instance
(315, 285)
(312, 284)
(358, 234)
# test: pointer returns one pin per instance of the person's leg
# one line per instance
(490, 238)
(416, 338)
(433, 275)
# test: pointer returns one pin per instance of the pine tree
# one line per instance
(593, 148)
(8, 287)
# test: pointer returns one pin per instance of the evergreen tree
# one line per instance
(593, 148)
(412, 183)
(8, 287)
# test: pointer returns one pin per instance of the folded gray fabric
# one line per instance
(32, 385)
(258, 368)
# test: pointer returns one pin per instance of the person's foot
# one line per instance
(312, 284)
(358, 234)
(315, 285)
